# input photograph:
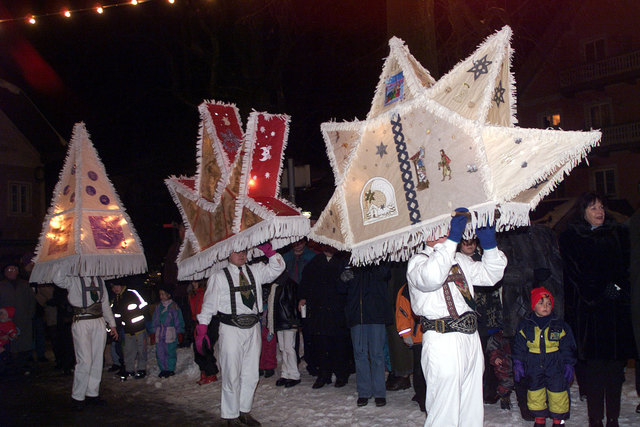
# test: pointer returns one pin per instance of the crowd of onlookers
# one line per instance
(343, 319)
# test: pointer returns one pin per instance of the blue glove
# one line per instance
(269, 337)
(568, 373)
(518, 370)
(458, 223)
(487, 237)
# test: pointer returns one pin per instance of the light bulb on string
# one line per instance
(134, 2)
(99, 9)
(31, 19)
(67, 14)
(171, 1)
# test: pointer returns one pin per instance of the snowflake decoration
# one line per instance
(381, 150)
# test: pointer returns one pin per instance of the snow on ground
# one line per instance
(329, 406)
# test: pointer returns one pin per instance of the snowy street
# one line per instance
(43, 399)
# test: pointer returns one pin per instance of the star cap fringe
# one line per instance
(429, 147)
(86, 231)
(233, 203)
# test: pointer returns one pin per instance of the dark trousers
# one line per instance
(332, 354)
(207, 362)
(419, 383)
(309, 350)
(603, 384)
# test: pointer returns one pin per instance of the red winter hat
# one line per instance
(537, 294)
(10, 311)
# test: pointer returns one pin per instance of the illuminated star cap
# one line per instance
(233, 203)
(428, 147)
(86, 231)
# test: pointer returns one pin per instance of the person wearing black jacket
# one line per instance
(130, 311)
(368, 310)
(325, 319)
(595, 252)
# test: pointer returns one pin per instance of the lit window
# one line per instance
(19, 198)
(551, 120)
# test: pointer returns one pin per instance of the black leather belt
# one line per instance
(94, 311)
(466, 324)
(242, 321)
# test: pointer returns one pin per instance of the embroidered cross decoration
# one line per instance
(457, 276)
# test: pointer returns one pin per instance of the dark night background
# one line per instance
(135, 76)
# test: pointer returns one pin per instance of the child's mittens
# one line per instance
(568, 373)
(269, 337)
(518, 370)
(201, 337)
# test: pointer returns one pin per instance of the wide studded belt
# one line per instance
(466, 324)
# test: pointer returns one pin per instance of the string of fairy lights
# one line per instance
(33, 19)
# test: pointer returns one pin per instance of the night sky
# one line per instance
(136, 74)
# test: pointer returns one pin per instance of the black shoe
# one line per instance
(398, 383)
(169, 374)
(95, 401)
(269, 373)
(291, 383)
(124, 376)
(612, 422)
(505, 403)
(281, 382)
(248, 420)
(341, 382)
(491, 400)
(77, 405)
(140, 374)
(595, 423)
(260, 372)
(321, 381)
(121, 372)
(583, 397)
(114, 368)
(638, 409)
(234, 422)
(380, 401)
(362, 401)
(162, 374)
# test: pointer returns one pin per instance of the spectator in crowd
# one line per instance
(595, 252)
(17, 293)
(368, 310)
(284, 319)
(207, 361)
(167, 331)
(130, 311)
(325, 307)
(544, 351)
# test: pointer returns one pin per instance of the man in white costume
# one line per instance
(441, 285)
(90, 302)
(235, 295)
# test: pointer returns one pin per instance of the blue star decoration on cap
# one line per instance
(498, 94)
(480, 67)
(382, 150)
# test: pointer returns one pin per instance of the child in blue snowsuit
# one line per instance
(168, 329)
(544, 352)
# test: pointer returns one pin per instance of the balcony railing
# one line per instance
(602, 69)
(620, 134)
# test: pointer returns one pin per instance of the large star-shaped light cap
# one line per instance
(233, 202)
(451, 143)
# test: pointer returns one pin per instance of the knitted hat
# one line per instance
(537, 294)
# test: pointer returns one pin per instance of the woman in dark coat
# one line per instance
(595, 253)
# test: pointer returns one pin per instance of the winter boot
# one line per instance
(540, 422)
(505, 403)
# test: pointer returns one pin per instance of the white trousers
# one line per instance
(239, 351)
(89, 339)
(453, 365)
(287, 345)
